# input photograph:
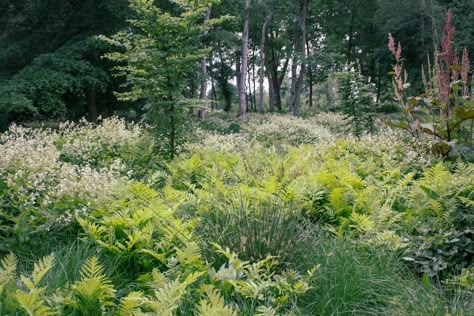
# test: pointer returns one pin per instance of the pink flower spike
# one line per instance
(398, 54)
(391, 43)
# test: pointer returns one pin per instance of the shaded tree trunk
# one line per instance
(92, 104)
(271, 94)
(213, 85)
(244, 66)
(310, 76)
(268, 17)
(294, 78)
(249, 94)
(238, 56)
(203, 89)
(225, 85)
(254, 85)
(301, 56)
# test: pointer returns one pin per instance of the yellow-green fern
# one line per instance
(7, 270)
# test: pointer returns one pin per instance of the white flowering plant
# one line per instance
(47, 177)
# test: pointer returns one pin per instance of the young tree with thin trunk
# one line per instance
(299, 61)
(245, 59)
(261, 74)
(203, 88)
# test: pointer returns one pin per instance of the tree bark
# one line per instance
(225, 85)
(238, 59)
(268, 17)
(213, 85)
(249, 94)
(203, 89)
(296, 104)
(271, 94)
(92, 104)
(254, 85)
(310, 76)
(294, 79)
(244, 66)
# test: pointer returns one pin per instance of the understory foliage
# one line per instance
(444, 114)
(158, 56)
(236, 225)
(357, 100)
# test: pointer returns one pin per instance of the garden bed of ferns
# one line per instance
(274, 216)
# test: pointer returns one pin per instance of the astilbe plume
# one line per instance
(447, 39)
(446, 88)
(451, 68)
(400, 78)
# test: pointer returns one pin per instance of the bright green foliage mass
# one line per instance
(158, 56)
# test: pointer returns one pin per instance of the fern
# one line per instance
(7, 270)
(33, 301)
(266, 311)
(214, 305)
(167, 298)
(361, 222)
(130, 304)
(190, 256)
(94, 291)
(40, 269)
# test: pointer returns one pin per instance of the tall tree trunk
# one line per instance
(268, 17)
(92, 104)
(249, 94)
(271, 94)
(302, 56)
(294, 78)
(254, 85)
(245, 58)
(310, 76)
(225, 85)
(238, 66)
(203, 89)
(213, 85)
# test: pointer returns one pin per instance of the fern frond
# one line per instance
(266, 311)
(94, 291)
(168, 298)
(92, 269)
(337, 199)
(92, 229)
(33, 304)
(7, 270)
(361, 222)
(214, 305)
(40, 269)
(130, 304)
(190, 255)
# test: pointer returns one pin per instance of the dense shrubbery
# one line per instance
(284, 195)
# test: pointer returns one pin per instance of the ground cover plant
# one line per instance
(241, 223)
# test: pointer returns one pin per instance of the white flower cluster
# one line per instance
(392, 147)
(35, 175)
(84, 142)
(294, 130)
(336, 122)
(222, 142)
(69, 216)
